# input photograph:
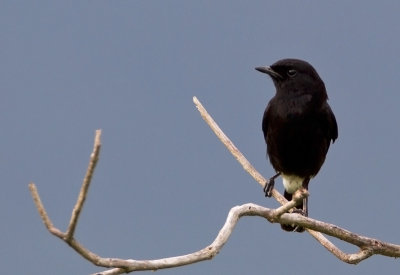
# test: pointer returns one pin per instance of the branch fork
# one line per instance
(367, 246)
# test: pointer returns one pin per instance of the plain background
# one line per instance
(164, 183)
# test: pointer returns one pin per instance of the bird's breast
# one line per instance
(293, 106)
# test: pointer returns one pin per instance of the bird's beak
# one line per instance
(269, 71)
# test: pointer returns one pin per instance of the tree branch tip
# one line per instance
(32, 186)
(97, 141)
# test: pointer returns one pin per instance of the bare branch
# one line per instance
(94, 157)
(348, 258)
(42, 211)
(368, 246)
(235, 151)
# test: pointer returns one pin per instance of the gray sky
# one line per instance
(164, 183)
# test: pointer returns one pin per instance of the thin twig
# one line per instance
(235, 151)
(94, 157)
(39, 205)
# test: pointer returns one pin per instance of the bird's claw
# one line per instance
(299, 211)
(268, 187)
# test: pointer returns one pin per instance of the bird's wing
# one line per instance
(265, 122)
(332, 129)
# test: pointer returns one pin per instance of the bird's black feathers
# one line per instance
(298, 123)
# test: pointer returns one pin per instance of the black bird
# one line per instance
(298, 126)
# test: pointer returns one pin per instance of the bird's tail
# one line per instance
(287, 227)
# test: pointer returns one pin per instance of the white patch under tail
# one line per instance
(292, 183)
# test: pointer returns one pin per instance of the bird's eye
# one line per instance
(291, 73)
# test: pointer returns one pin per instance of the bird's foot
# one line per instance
(298, 228)
(300, 211)
(269, 185)
(303, 212)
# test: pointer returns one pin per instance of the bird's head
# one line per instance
(293, 75)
